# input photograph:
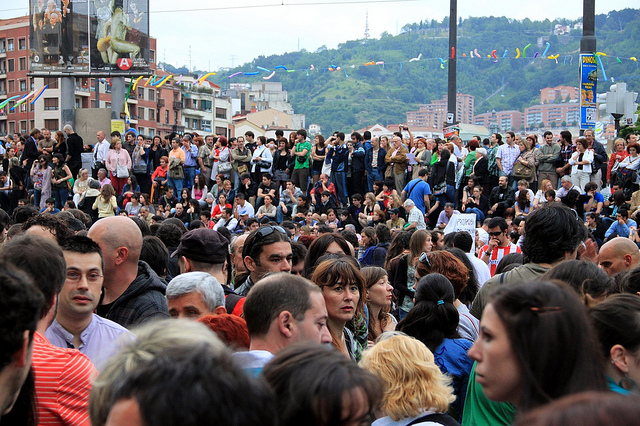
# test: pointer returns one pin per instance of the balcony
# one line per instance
(160, 103)
(3, 73)
(177, 128)
(3, 53)
(177, 105)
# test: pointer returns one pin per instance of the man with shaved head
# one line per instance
(132, 292)
(618, 255)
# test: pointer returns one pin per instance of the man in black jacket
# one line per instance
(502, 197)
(74, 151)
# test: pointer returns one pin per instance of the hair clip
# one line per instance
(544, 309)
(440, 302)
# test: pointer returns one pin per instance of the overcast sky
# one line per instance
(233, 32)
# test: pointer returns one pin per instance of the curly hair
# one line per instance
(445, 263)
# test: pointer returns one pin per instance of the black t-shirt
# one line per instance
(266, 189)
(164, 201)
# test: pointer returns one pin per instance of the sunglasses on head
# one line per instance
(424, 258)
(268, 230)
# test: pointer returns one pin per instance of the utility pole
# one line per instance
(453, 35)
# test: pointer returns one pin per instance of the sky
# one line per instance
(210, 34)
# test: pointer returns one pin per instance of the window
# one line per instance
(78, 104)
(51, 124)
(22, 43)
(152, 114)
(11, 65)
(221, 113)
(12, 86)
(186, 122)
(152, 95)
(23, 126)
(32, 124)
(50, 104)
(23, 85)
(12, 127)
(52, 82)
(166, 116)
(22, 64)
(10, 45)
(140, 92)
(141, 113)
(152, 56)
(3, 66)
(141, 130)
(152, 133)
(205, 105)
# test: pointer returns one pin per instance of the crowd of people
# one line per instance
(189, 280)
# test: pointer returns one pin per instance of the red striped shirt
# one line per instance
(63, 383)
(497, 254)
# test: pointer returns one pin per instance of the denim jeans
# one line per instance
(339, 180)
(60, 196)
(479, 215)
(176, 184)
(189, 176)
(373, 176)
(37, 194)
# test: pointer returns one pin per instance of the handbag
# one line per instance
(122, 171)
(440, 188)
(263, 164)
(521, 171)
(224, 167)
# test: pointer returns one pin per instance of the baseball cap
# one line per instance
(203, 245)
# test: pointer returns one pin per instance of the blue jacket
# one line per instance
(338, 157)
(368, 160)
(358, 157)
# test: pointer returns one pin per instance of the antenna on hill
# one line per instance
(233, 58)
(366, 26)
(189, 58)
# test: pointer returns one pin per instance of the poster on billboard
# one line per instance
(59, 35)
(119, 35)
(588, 86)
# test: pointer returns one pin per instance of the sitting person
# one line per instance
(325, 203)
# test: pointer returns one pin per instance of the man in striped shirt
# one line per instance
(63, 376)
(499, 244)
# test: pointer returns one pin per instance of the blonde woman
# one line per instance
(80, 185)
(415, 390)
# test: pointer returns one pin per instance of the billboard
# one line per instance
(588, 86)
(89, 35)
(59, 38)
(119, 35)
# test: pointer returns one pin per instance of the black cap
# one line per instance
(203, 245)
(394, 211)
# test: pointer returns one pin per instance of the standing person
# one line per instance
(492, 166)
(600, 158)
(261, 159)
(506, 157)
(527, 158)
(443, 178)
(581, 162)
(566, 151)
(302, 153)
(74, 154)
(241, 156)
(205, 162)
(337, 155)
(45, 145)
(30, 151)
(396, 160)
(140, 164)
(190, 159)
(41, 177)
(100, 152)
(60, 146)
(618, 155)
(283, 163)
(318, 154)
(118, 163)
(176, 165)
(547, 155)
(374, 163)
(499, 244)
(358, 164)
(221, 156)
(419, 191)
(59, 180)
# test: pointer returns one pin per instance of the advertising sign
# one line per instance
(59, 38)
(588, 85)
(119, 35)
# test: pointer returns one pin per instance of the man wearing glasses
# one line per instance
(499, 244)
(75, 325)
(265, 250)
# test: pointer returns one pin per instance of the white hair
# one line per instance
(205, 284)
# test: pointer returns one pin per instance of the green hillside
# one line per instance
(383, 94)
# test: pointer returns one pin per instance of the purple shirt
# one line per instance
(508, 155)
(98, 339)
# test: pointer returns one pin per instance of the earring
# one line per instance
(627, 383)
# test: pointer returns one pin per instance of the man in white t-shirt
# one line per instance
(499, 244)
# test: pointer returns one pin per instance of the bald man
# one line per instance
(618, 255)
(132, 292)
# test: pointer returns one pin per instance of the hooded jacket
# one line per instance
(141, 301)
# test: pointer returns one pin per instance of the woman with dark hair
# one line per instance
(399, 245)
(199, 190)
(327, 244)
(318, 155)
(617, 323)
(41, 178)
(403, 271)
(185, 197)
(342, 286)
(630, 282)
(261, 160)
(467, 191)
(315, 385)
(283, 164)
(379, 299)
(528, 159)
(536, 345)
(434, 321)
(443, 180)
(193, 211)
(445, 263)
(589, 281)
(60, 147)
(221, 159)
(471, 289)
(368, 244)
(628, 171)
(60, 177)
